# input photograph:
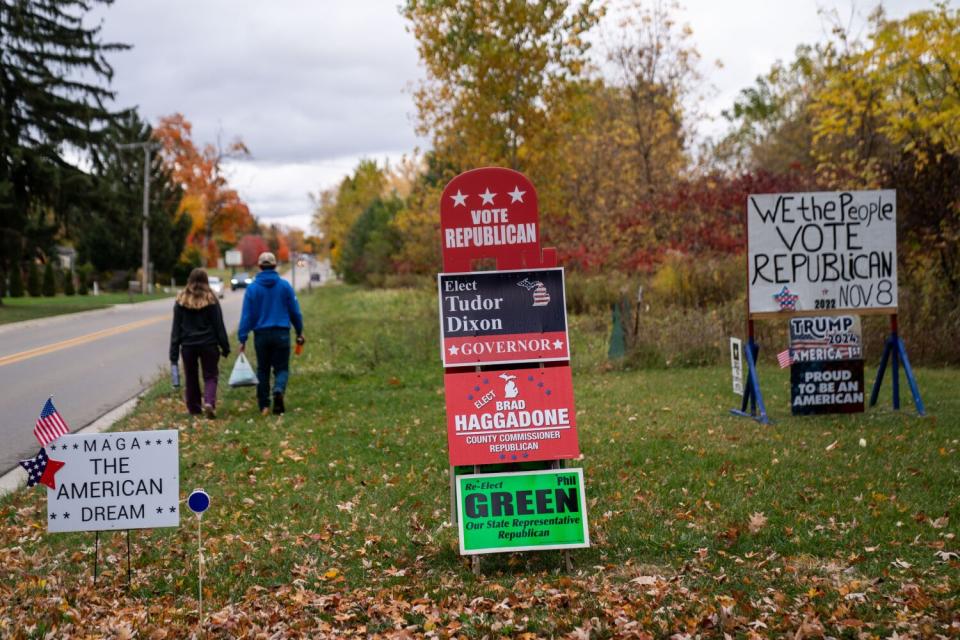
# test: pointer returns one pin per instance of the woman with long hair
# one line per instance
(199, 336)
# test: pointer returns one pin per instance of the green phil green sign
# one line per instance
(522, 511)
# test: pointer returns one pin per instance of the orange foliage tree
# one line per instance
(217, 211)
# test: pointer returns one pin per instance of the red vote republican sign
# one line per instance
(490, 213)
(510, 415)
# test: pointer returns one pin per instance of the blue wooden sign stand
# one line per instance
(895, 352)
(751, 389)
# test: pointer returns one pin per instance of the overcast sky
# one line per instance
(312, 86)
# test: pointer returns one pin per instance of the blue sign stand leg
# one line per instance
(895, 353)
(751, 390)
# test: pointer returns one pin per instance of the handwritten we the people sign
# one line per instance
(114, 481)
(811, 253)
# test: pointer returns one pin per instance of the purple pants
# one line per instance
(208, 358)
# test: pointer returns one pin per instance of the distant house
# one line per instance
(68, 257)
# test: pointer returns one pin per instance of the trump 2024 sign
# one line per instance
(510, 415)
(113, 481)
(498, 317)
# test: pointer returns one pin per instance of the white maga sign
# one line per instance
(815, 252)
(115, 481)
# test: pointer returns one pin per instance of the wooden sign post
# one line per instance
(511, 421)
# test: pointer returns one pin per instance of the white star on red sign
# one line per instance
(557, 344)
(459, 199)
(487, 196)
(516, 195)
(453, 350)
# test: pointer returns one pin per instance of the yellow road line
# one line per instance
(84, 339)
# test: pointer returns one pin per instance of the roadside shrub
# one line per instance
(117, 280)
(410, 281)
(16, 282)
(698, 281)
(671, 333)
(595, 294)
(33, 280)
(49, 281)
(82, 280)
(68, 287)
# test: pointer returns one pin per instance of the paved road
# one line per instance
(90, 362)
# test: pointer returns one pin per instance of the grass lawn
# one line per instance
(27, 308)
(333, 520)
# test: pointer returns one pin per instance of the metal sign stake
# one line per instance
(199, 501)
(128, 560)
(96, 558)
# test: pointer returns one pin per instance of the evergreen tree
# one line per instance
(49, 281)
(68, 287)
(16, 281)
(53, 95)
(370, 243)
(82, 277)
(33, 280)
(111, 236)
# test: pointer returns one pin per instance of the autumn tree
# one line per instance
(771, 123)
(621, 141)
(217, 211)
(276, 237)
(336, 210)
(250, 247)
(889, 115)
(109, 233)
(372, 242)
(494, 69)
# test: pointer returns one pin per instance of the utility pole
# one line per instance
(147, 148)
(293, 270)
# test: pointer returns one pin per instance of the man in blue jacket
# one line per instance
(269, 308)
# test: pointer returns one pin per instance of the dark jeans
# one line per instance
(273, 352)
(208, 358)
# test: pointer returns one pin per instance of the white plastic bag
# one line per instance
(242, 374)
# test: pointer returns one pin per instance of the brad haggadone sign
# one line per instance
(498, 317)
(114, 481)
(510, 415)
(811, 253)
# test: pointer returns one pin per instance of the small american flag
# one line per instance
(50, 425)
(41, 469)
(541, 297)
(785, 359)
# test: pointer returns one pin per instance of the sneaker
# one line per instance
(278, 402)
(208, 411)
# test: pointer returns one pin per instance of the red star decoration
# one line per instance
(51, 470)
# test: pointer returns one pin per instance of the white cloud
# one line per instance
(280, 192)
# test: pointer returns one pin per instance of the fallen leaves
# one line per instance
(756, 522)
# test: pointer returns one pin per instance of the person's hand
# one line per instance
(243, 345)
(301, 339)
(225, 353)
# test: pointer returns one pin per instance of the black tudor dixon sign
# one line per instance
(494, 317)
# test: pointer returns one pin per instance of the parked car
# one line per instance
(240, 281)
(216, 285)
